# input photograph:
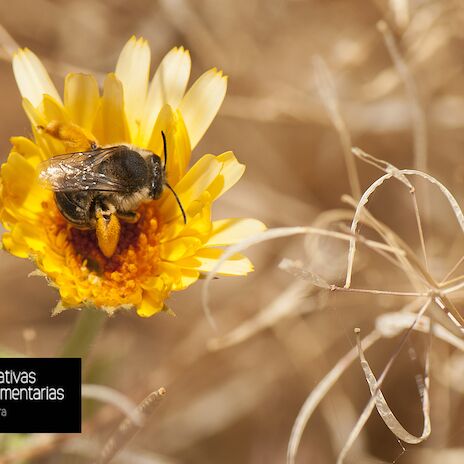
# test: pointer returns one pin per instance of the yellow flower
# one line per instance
(160, 253)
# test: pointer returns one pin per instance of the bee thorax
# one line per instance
(130, 202)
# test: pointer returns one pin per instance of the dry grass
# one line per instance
(369, 238)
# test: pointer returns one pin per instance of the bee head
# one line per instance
(159, 177)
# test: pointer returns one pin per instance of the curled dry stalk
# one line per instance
(453, 318)
(444, 320)
(447, 322)
(378, 400)
(450, 330)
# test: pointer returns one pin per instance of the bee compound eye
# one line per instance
(157, 177)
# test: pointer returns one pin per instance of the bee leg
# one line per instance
(73, 137)
(129, 216)
(108, 230)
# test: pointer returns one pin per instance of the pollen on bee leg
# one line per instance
(108, 231)
(73, 136)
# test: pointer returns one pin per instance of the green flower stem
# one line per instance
(86, 328)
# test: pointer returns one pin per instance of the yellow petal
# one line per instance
(132, 70)
(198, 225)
(21, 250)
(178, 145)
(32, 77)
(110, 122)
(52, 110)
(166, 88)
(190, 187)
(179, 248)
(188, 277)
(165, 122)
(229, 231)
(149, 306)
(206, 259)
(28, 149)
(52, 263)
(35, 117)
(17, 176)
(24, 238)
(183, 150)
(202, 102)
(230, 174)
(48, 144)
(81, 96)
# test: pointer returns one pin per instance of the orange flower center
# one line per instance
(109, 281)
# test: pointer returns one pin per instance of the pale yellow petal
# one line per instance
(205, 260)
(202, 102)
(110, 125)
(32, 77)
(230, 174)
(81, 97)
(228, 231)
(132, 70)
(166, 88)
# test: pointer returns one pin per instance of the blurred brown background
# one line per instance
(238, 404)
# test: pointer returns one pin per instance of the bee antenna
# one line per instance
(165, 148)
(178, 202)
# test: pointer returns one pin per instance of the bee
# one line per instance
(95, 189)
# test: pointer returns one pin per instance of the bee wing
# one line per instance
(78, 171)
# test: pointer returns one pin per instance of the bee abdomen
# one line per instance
(76, 207)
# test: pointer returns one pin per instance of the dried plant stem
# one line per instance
(452, 289)
(392, 239)
(391, 324)
(354, 224)
(375, 389)
(127, 429)
(378, 292)
(453, 269)
(87, 327)
(452, 319)
(455, 280)
(320, 391)
(283, 306)
(118, 400)
(326, 87)
(419, 227)
(418, 116)
(271, 234)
